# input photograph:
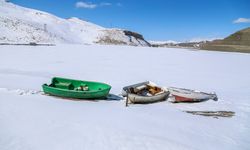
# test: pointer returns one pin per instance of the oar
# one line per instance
(127, 101)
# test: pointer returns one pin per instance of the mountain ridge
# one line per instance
(26, 25)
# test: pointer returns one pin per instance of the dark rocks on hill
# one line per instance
(134, 34)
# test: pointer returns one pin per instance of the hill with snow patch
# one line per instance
(20, 25)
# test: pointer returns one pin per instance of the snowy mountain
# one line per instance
(168, 43)
(24, 25)
(203, 39)
(163, 42)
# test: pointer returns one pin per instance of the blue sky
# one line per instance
(179, 20)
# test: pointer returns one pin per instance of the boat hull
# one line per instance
(133, 98)
(176, 98)
(67, 88)
(186, 95)
(140, 99)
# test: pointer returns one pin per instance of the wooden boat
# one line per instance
(145, 92)
(187, 95)
(70, 88)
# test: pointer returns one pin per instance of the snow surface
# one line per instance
(30, 120)
(24, 25)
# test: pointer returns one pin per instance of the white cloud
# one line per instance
(242, 20)
(91, 5)
(85, 5)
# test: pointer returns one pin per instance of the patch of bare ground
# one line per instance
(214, 114)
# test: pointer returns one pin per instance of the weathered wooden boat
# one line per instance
(69, 88)
(187, 95)
(145, 92)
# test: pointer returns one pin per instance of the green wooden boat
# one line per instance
(70, 88)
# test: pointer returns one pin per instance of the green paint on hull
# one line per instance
(70, 88)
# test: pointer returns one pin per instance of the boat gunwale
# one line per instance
(80, 80)
(75, 91)
(188, 91)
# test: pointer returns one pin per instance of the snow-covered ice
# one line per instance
(31, 120)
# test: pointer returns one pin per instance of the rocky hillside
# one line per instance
(19, 25)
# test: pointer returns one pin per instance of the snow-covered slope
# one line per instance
(24, 25)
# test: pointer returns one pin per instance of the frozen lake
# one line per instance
(30, 120)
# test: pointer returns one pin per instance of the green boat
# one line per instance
(70, 88)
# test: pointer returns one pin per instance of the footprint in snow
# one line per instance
(21, 91)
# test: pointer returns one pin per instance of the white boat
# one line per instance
(187, 95)
(145, 92)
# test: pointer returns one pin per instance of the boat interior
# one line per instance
(77, 85)
(146, 90)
